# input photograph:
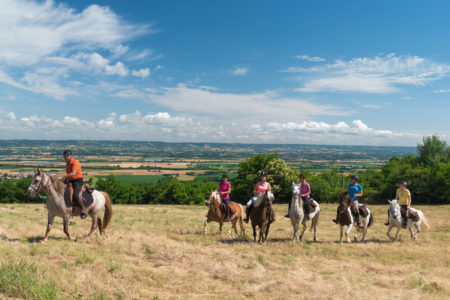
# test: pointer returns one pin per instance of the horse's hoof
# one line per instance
(44, 241)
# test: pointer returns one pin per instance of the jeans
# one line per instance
(77, 184)
(227, 205)
(306, 201)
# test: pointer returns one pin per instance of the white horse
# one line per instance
(56, 205)
(396, 220)
(297, 216)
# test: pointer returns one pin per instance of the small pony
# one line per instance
(395, 220)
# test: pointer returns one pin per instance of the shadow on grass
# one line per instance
(39, 239)
(3, 237)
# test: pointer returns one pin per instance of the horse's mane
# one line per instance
(216, 195)
(262, 196)
(58, 185)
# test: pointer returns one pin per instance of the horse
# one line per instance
(57, 206)
(345, 218)
(215, 214)
(262, 215)
(297, 216)
(396, 220)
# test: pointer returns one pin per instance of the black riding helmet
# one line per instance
(356, 177)
(225, 176)
(263, 173)
(67, 152)
(403, 183)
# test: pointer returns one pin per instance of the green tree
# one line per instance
(433, 151)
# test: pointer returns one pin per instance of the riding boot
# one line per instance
(227, 214)
(83, 208)
(247, 213)
(289, 209)
(357, 216)
(337, 217)
(387, 223)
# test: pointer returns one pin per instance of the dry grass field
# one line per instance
(160, 252)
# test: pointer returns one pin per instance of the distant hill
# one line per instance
(151, 150)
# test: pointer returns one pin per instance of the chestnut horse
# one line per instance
(215, 214)
(57, 206)
(262, 215)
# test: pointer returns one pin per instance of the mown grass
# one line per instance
(160, 252)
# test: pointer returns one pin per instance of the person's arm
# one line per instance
(227, 191)
(307, 193)
(409, 200)
(269, 188)
(396, 195)
(255, 190)
(360, 193)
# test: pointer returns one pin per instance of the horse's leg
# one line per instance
(364, 231)
(50, 219)
(355, 238)
(347, 232)
(205, 229)
(411, 231)
(303, 229)
(341, 233)
(66, 227)
(295, 227)
(220, 226)
(242, 226)
(315, 223)
(234, 221)
(254, 232)
(94, 217)
(99, 225)
(396, 234)
(417, 231)
(267, 232)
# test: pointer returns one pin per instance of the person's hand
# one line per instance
(59, 178)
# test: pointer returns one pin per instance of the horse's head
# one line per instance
(295, 189)
(39, 182)
(213, 198)
(268, 198)
(344, 202)
(394, 208)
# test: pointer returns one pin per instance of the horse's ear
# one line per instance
(38, 171)
(212, 190)
(389, 201)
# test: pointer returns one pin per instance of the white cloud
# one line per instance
(141, 73)
(310, 58)
(164, 126)
(441, 91)
(372, 106)
(376, 75)
(239, 71)
(268, 106)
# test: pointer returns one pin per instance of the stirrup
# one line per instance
(83, 215)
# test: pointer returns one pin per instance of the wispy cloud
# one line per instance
(372, 106)
(377, 75)
(310, 58)
(441, 91)
(240, 71)
(141, 73)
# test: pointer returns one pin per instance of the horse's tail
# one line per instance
(108, 211)
(424, 221)
(370, 220)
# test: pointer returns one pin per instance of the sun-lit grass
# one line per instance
(160, 252)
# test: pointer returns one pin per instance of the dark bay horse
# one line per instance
(262, 215)
(57, 206)
(215, 214)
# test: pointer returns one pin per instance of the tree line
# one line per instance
(427, 174)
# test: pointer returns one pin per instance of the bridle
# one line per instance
(43, 183)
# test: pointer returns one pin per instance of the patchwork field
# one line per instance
(160, 252)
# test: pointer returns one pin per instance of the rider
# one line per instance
(403, 195)
(355, 190)
(260, 188)
(305, 194)
(75, 177)
(224, 191)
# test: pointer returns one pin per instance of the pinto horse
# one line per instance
(345, 218)
(262, 215)
(297, 215)
(395, 220)
(215, 214)
(57, 206)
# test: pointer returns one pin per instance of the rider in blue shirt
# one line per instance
(355, 190)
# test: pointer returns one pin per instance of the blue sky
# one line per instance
(324, 72)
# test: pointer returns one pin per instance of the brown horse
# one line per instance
(262, 215)
(215, 214)
(345, 217)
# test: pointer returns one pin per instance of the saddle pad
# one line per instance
(413, 214)
(363, 210)
(232, 208)
(68, 197)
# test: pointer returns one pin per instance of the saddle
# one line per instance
(86, 195)
(312, 206)
(363, 211)
(223, 208)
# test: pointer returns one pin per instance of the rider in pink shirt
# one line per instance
(224, 191)
(260, 188)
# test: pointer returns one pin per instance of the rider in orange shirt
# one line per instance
(75, 177)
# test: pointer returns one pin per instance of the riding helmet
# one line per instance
(263, 173)
(403, 183)
(224, 175)
(67, 152)
(356, 177)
